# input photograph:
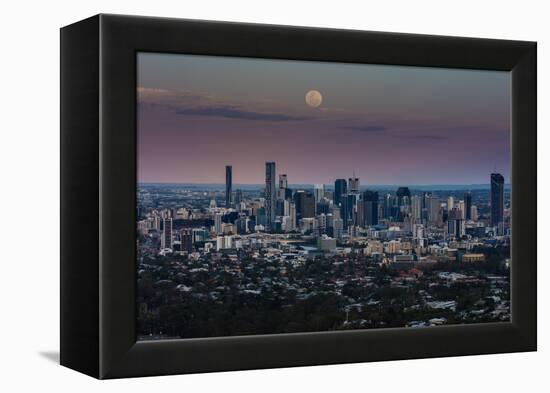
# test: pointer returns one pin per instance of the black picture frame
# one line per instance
(98, 189)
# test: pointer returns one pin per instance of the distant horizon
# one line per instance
(487, 185)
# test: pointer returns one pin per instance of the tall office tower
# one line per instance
(286, 207)
(403, 196)
(416, 207)
(337, 228)
(336, 212)
(283, 181)
(218, 223)
(305, 204)
(270, 195)
(462, 208)
(434, 209)
(260, 216)
(330, 224)
(186, 240)
(418, 231)
(238, 196)
(349, 209)
(323, 207)
(388, 204)
(353, 183)
(292, 215)
(228, 185)
(340, 188)
(497, 199)
(283, 189)
(156, 222)
(473, 212)
(450, 203)
(279, 207)
(166, 238)
(455, 214)
(370, 201)
(319, 192)
(241, 224)
(468, 205)
(359, 216)
(456, 228)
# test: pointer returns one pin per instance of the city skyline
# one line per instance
(228, 183)
(392, 125)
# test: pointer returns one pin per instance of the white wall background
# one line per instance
(29, 193)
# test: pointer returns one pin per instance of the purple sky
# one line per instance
(392, 125)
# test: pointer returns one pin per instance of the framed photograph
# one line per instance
(240, 196)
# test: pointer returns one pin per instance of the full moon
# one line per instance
(314, 98)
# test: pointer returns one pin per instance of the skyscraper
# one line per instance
(305, 204)
(468, 205)
(450, 203)
(270, 195)
(349, 209)
(434, 209)
(370, 201)
(340, 188)
(186, 240)
(353, 183)
(228, 184)
(403, 196)
(283, 181)
(497, 199)
(166, 238)
(319, 192)
(416, 207)
(218, 223)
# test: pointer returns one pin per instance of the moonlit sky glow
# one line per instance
(391, 124)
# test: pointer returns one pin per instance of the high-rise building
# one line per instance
(166, 238)
(283, 192)
(283, 181)
(388, 205)
(353, 183)
(349, 209)
(497, 199)
(186, 240)
(338, 228)
(340, 188)
(462, 208)
(403, 196)
(370, 201)
(323, 207)
(218, 223)
(238, 196)
(450, 203)
(292, 215)
(434, 209)
(270, 195)
(305, 204)
(456, 228)
(468, 205)
(473, 212)
(228, 185)
(416, 207)
(319, 192)
(455, 213)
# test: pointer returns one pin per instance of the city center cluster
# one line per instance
(399, 225)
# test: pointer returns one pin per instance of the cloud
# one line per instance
(195, 103)
(232, 112)
(425, 137)
(371, 128)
